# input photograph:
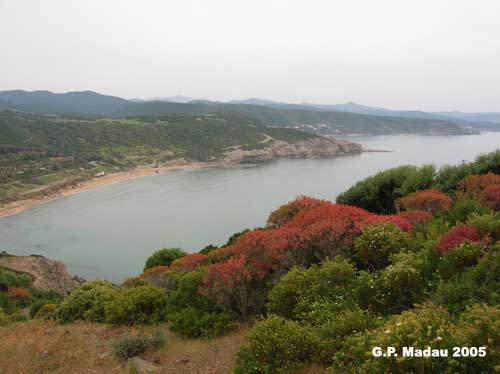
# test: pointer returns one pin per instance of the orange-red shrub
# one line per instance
(286, 212)
(19, 293)
(431, 201)
(457, 236)
(415, 216)
(474, 185)
(401, 222)
(154, 271)
(323, 231)
(189, 262)
(491, 197)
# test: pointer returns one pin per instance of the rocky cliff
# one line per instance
(47, 274)
(317, 147)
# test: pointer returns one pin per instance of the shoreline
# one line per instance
(19, 206)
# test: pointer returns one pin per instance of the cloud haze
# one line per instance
(429, 55)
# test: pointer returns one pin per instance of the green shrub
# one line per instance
(487, 224)
(332, 326)
(88, 302)
(297, 290)
(11, 278)
(461, 257)
(164, 256)
(379, 192)
(427, 325)
(463, 208)
(134, 282)
(193, 323)
(377, 242)
(47, 312)
(143, 304)
(185, 293)
(130, 346)
(276, 345)
(6, 303)
(401, 284)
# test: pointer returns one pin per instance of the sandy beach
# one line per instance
(140, 171)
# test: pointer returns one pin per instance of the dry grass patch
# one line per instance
(47, 347)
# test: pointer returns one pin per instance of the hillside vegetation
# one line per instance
(36, 150)
(323, 283)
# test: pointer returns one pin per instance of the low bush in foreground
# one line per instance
(130, 346)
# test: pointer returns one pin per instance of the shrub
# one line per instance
(322, 232)
(479, 326)
(378, 193)
(276, 346)
(47, 312)
(134, 282)
(487, 224)
(402, 284)
(190, 262)
(10, 278)
(332, 326)
(456, 236)
(402, 223)
(415, 216)
(294, 294)
(431, 201)
(19, 295)
(463, 208)
(422, 327)
(377, 242)
(88, 301)
(286, 212)
(474, 185)
(37, 305)
(193, 323)
(491, 197)
(6, 304)
(130, 346)
(164, 257)
(461, 257)
(143, 304)
(155, 275)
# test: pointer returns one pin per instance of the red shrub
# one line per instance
(286, 212)
(402, 223)
(457, 236)
(154, 271)
(474, 185)
(189, 262)
(19, 293)
(323, 231)
(415, 216)
(431, 201)
(491, 197)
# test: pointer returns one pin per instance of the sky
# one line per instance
(423, 55)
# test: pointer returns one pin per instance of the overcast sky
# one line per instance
(422, 54)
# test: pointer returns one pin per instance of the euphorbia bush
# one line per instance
(286, 212)
(190, 262)
(324, 232)
(456, 236)
(415, 216)
(431, 201)
(19, 294)
(474, 185)
(491, 197)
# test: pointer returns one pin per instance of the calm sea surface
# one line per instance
(110, 231)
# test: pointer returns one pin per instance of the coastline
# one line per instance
(18, 206)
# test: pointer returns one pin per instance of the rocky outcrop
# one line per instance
(316, 147)
(47, 274)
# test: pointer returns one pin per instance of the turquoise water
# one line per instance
(108, 232)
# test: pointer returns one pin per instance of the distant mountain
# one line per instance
(345, 118)
(84, 102)
(172, 99)
(480, 117)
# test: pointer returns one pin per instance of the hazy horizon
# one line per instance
(432, 56)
